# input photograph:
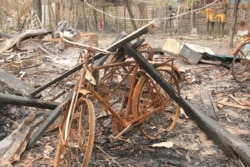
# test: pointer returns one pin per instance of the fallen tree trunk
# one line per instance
(25, 101)
(230, 144)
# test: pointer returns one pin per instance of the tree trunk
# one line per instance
(52, 22)
(76, 15)
(131, 15)
(57, 12)
(95, 20)
(37, 6)
(84, 18)
(124, 21)
(192, 16)
(233, 26)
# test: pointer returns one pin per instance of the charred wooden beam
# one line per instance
(13, 84)
(208, 103)
(230, 144)
(25, 101)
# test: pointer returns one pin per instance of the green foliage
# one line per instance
(9, 29)
(111, 8)
(194, 2)
(171, 2)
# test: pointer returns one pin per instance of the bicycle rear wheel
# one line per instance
(76, 149)
(153, 107)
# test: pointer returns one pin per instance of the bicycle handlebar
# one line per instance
(83, 46)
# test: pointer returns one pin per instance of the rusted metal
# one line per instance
(124, 74)
(117, 73)
(76, 149)
(125, 112)
(240, 68)
(149, 98)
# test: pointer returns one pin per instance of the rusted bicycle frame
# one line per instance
(241, 62)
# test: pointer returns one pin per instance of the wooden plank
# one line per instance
(208, 103)
(230, 144)
(15, 85)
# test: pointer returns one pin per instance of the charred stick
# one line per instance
(26, 101)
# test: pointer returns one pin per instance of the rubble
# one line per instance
(13, 41)
(10, 84)
(195, 54)
(230, 144)
(12, 146)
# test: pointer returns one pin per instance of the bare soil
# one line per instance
(191, 146)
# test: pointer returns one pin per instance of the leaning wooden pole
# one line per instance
(230, 144)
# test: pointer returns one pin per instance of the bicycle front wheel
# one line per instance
(76, 149)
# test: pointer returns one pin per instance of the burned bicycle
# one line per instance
(123, 88)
